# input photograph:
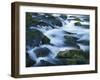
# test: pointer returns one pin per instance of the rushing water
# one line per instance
(57, 44)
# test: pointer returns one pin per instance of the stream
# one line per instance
(50, 44)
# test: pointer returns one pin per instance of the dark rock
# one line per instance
(29, 61)
(70, 53)
(81, 25)
(53, 20)
(42, 52)
(70, 33)
(45, 40)
(77, 19)
(87, 19)
(71, 41)
(44, 24)
(63, 16)
(35, 38)
(77, 24)
(44, 63)
(73, 56)
(65, 61)
(42, 20)
(31, 21)
(84, 42)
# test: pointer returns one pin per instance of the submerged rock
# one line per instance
(42, 52)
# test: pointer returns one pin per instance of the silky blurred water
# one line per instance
(56, 37)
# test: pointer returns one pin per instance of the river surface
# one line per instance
(58, 41)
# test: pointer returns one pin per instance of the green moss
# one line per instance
(71, 54)
(77, 24)
(74, 56)
(30, 21)
(71, 61)
(34, 34)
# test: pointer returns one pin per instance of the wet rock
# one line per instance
(73, 56)
(71, 41)
(77, 24)
(63, 16)
(42, 52)
(44, 63)
(35, 38)
(69, 33)
(81, 25)
(65, 61)
(55, 21)
(29, 61)
(84, 42)
(70, 53)
(45, 40)
(42, 20)
(44, 24)
(31, 21)
(77, 19)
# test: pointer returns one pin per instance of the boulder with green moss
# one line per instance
(74, 56)
(35, 38)
(77, 24)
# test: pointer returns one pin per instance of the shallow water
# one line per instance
(57, 44)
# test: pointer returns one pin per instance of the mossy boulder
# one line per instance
(42, 52)
(70, 53)
(35, 38)
(29, 61)
(74, 56)
(77, 24)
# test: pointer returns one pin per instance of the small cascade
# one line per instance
(58, 39)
